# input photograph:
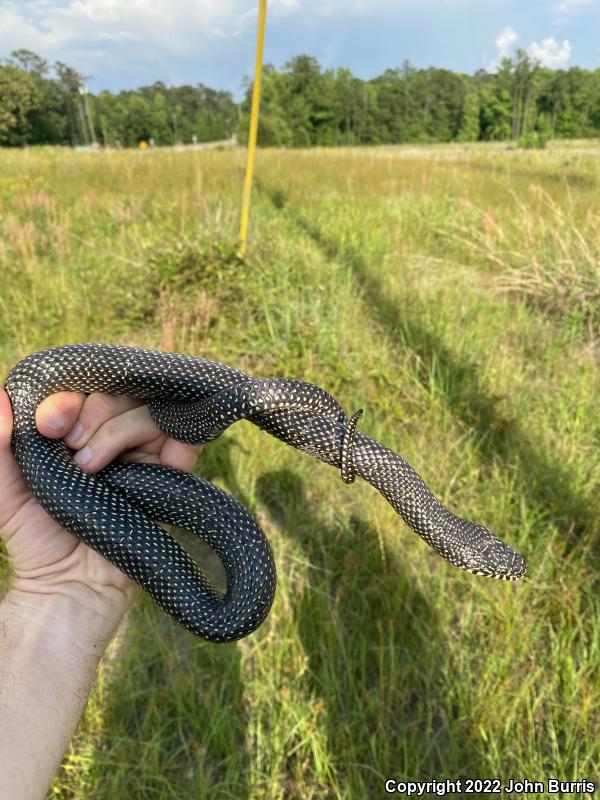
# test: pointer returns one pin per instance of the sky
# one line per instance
(123, 44)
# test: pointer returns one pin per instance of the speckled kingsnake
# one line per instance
(194, 400)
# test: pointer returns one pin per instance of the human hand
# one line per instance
(47, 559)
(66, 600)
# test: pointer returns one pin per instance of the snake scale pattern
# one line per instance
(194, 400)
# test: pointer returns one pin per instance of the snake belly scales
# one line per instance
(194, 400)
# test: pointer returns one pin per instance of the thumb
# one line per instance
(13, 489)
(6, 422)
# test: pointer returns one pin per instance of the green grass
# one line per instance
(453, 293)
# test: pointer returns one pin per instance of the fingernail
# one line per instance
(76, 431)
(83, 456)
(56, 422)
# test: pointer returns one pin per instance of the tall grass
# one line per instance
(546, 257)
(381, 275)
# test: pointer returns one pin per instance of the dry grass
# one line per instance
(546, 256)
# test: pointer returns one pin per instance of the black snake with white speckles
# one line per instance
(194, 400)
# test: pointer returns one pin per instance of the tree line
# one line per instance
(50, 104)
(304, 105)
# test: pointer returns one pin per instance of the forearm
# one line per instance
(50, 647)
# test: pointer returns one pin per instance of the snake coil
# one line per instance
(194, 400)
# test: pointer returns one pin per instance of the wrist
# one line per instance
(50, 647)
(74, 619)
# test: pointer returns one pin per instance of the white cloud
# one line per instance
(572, 6)
(505, 41)
(550, 53)
(184, 24)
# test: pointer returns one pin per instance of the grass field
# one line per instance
(454, 293)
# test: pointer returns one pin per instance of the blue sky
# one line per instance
(128, 43)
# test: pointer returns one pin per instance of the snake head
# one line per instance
(471, 547)
(490, 556)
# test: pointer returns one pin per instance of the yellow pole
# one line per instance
(262, 15)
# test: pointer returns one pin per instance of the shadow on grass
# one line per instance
(174, 722)
(545, 483)
(377, 661)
